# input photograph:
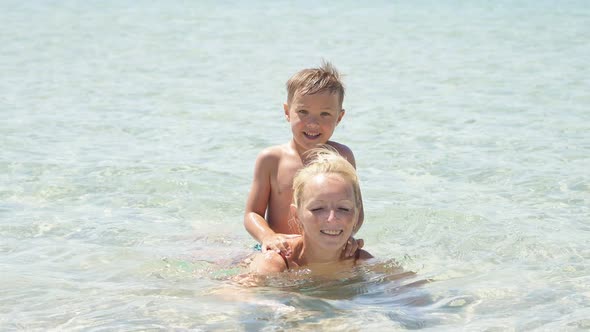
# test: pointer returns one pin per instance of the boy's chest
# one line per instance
(284, 177)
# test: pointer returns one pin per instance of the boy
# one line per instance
(314, 109)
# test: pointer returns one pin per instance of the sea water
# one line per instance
(129, 129)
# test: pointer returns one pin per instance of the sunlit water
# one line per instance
(128, 133)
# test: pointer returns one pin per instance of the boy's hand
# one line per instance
(278, 243)
(352, 246)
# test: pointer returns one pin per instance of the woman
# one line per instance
(326, 206)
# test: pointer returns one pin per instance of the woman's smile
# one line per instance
(332, 232)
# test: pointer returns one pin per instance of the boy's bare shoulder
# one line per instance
(269, 159)
(271, 153)
(275, 152)
(344, 150)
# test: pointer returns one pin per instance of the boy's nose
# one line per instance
(313, 124)
(313, 120)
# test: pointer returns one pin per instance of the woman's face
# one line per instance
(328, 213)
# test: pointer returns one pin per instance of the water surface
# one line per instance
(129, 131)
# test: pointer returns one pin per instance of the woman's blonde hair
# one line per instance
(325, 160)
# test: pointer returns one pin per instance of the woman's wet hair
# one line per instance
(325, 160)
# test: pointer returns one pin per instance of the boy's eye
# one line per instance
(302, 112)
(326, 114)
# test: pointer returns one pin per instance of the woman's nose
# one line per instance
(332, 215)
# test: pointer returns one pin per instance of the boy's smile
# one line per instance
(311, 135)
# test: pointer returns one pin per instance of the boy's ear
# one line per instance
(286, 109)
(340, 115)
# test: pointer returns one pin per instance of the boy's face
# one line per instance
(313, 118)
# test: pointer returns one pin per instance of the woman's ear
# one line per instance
(356, 222)
(293, 210)
(286, 109)
(295, 217)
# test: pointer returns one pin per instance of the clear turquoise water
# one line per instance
(129, 130)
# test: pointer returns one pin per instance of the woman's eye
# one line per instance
(316, 209)
(344, 209)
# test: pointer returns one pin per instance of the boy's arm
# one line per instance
(347, 153)
(258, 197)
(361, 217)
(256, 225)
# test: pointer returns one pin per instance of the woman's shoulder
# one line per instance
(268, 262)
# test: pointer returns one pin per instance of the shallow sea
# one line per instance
(128, 132)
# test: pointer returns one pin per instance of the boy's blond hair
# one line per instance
(316, 80)
(325, 160)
